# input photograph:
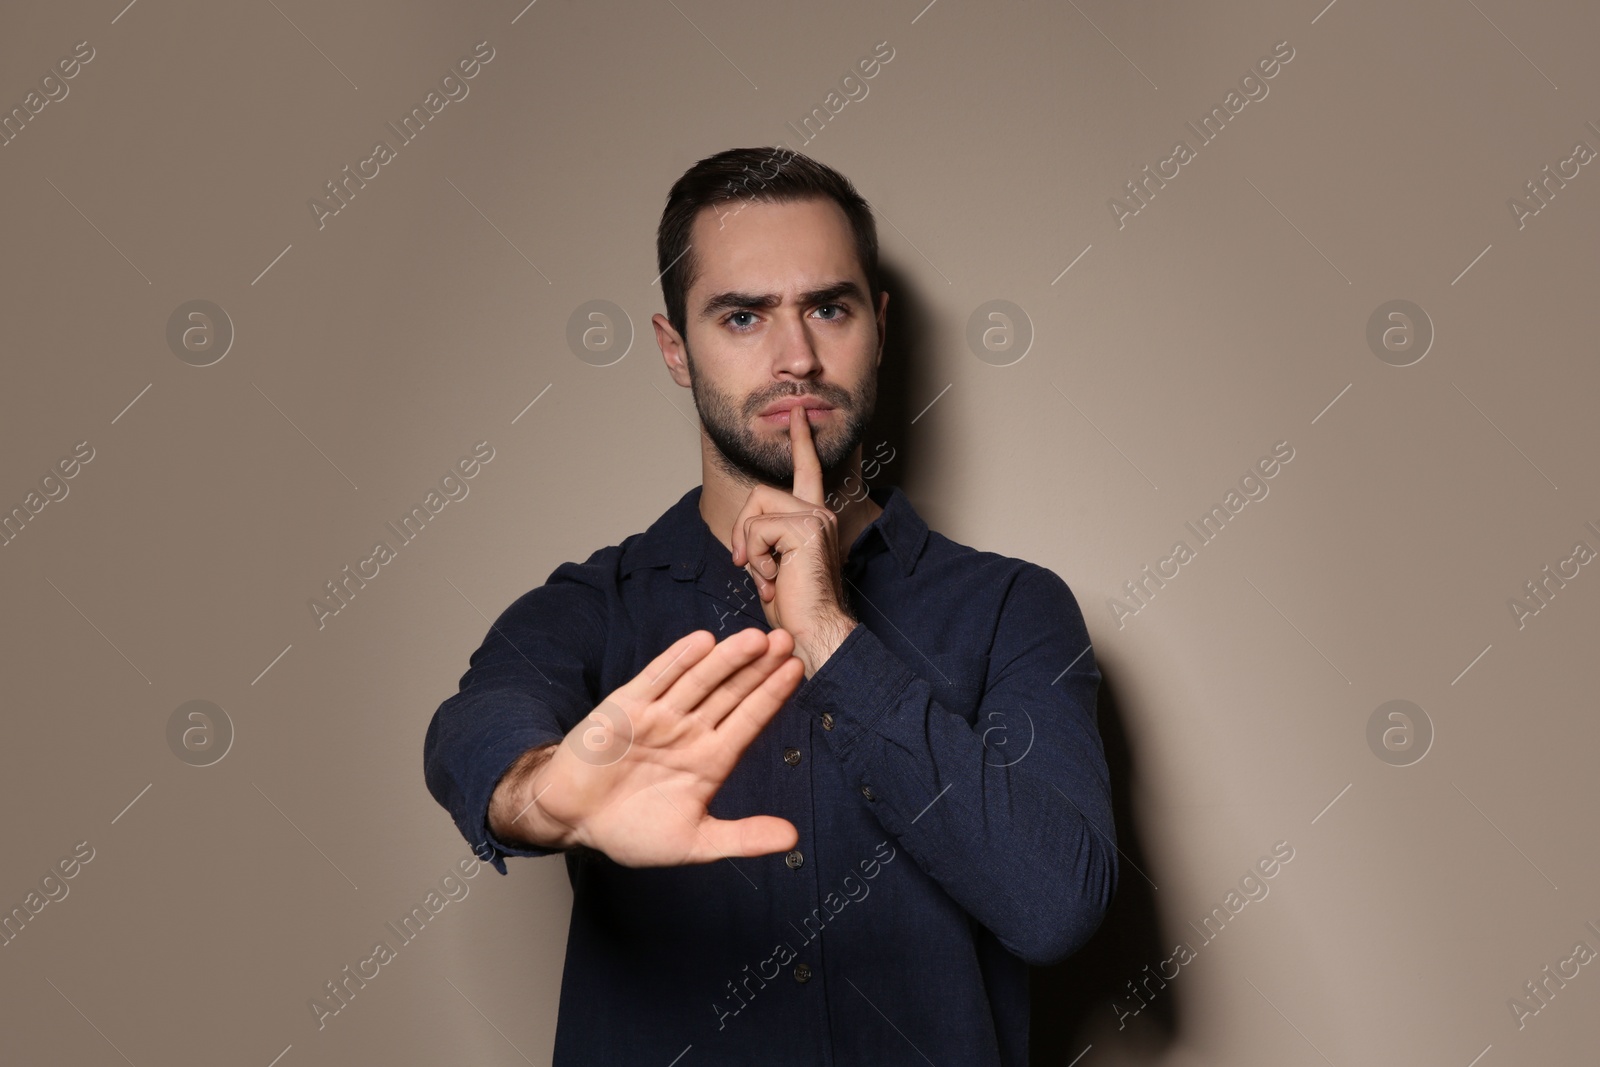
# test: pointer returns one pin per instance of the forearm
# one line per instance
(1030, 855)
(1025, 844)
(514, 815)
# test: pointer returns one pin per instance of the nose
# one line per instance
(794, 352)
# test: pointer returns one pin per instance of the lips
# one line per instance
(782, 407)
(815, 416)
(780, 417)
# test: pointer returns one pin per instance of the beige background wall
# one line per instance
(368, 355)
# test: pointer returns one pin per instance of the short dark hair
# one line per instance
(776, 175)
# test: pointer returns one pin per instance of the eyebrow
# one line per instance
(735, 299)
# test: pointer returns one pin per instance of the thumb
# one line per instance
(758, 835)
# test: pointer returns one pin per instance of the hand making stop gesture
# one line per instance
(634, 779)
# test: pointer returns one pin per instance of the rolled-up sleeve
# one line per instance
(530, 681)
(1024, 843)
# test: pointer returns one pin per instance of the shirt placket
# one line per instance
(809, 967)
(735, 604)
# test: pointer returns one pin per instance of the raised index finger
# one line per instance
(807, 466)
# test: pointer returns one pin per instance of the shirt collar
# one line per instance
(680, 537)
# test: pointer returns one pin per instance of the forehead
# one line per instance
(772, 247)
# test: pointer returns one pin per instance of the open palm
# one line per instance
(633, 779)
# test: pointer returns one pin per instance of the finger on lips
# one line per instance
(807, 467)
(807, 488)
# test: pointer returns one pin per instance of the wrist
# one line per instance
(823, 639)
(515, 816)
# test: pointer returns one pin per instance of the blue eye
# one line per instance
(842, 310)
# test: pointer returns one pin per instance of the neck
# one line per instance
(723, 496)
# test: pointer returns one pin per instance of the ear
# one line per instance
(671, 345)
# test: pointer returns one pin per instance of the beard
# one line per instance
(747, 456)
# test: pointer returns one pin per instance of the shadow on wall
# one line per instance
(902, 378)
(1078, 996)
(1081, 995)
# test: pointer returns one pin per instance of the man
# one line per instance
(826, 781)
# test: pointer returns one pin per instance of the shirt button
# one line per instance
(802, 972)
(794, 859)
(866, 791)
(827, 720)
(791, 756)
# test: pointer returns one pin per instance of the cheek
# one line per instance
(864, 395)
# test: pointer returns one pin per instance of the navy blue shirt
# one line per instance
(943, 767)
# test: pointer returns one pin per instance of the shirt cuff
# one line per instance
(496, 758)
(859, 683)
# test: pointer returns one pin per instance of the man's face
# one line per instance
(779, 309)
